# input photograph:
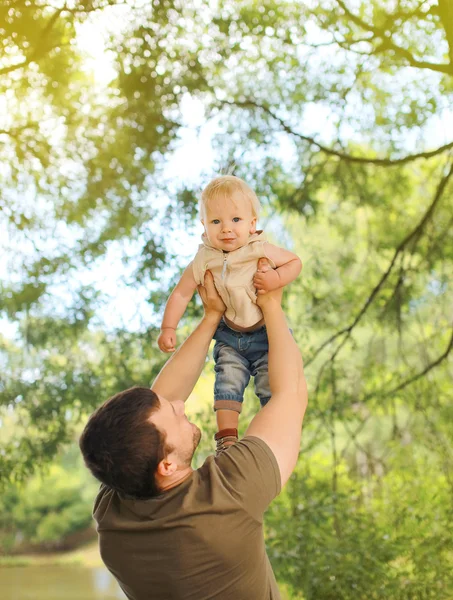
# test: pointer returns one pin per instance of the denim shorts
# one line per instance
(238, 356)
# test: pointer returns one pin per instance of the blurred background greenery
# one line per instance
(113, 115)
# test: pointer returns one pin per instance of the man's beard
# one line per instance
(187, 457)
(196, 437)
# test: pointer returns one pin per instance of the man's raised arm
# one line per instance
(180, 373)
(279, 423)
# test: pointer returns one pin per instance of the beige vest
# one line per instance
(233, 276)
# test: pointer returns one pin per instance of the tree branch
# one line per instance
(384, 162)
(446, 17)
(415, 377)
(388, 44)
(37, 54)
(89, 9)
(16, 130)
(413, 236)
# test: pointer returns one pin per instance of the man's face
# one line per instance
(180, 434)
(229, 222)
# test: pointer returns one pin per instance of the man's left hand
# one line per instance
(266, 281)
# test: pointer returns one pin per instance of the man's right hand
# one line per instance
(212, 302)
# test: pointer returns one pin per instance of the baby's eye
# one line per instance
(215, 221)
(237, 219)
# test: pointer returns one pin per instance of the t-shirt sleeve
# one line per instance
(101, 502)
(251, 474)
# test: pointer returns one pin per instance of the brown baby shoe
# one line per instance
(224, 439)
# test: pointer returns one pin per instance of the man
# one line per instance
(167, 532)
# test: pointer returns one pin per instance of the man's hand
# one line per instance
(266, 281)
(267, 296)
(167, 339)
(212, 302)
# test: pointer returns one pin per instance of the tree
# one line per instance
(382, 74)
(338, 113)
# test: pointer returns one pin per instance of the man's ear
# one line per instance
(166, 467)
(253, 225)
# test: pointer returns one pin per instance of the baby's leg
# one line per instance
(260, 371)
(227, 419)
(232, 377)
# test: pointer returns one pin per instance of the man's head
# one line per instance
(229, 209)
(135, 440)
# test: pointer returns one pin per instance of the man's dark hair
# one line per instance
(121, 447)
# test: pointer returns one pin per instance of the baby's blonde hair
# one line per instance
(224, 187)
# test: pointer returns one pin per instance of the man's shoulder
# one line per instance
(247, 448)
(242, 450)
(102, 501)
(247, 472)
(254, 445)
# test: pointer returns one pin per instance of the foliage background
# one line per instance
(339, 114)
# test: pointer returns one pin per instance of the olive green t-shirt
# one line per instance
(202, 540)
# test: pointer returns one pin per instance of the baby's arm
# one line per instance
(175, 308)
(288, 268)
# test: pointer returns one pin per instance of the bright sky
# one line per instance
(192, 162)
(194, 156)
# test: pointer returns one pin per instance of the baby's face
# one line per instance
(228, 223)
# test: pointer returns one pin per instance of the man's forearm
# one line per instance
(279, 423)
(285, 361)
(180, 373)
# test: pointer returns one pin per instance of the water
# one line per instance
(63, 582)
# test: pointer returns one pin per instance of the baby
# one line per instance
(231, 249)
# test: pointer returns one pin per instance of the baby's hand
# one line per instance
(167, 339)
(266, 281)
